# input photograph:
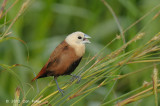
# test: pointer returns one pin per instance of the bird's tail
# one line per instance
(42, 73)
(34, 78)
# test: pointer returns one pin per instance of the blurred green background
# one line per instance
(45, 23)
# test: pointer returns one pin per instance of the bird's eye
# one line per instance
(79, 37)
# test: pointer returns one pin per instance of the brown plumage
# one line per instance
(62, 61)
(65, 58)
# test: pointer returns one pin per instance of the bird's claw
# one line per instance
(74, 77)
(61, 91)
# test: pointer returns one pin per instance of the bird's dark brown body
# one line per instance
(62, 61)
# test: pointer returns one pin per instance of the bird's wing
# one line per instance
(55, 54)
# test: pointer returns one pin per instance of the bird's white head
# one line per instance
(78, 40)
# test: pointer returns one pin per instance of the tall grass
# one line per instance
(120, 66)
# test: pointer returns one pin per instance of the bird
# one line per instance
(65, 58)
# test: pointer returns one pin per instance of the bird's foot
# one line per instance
(61, 91)
(74, 77)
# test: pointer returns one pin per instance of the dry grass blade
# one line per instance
(2, 8)
(117, 52)
(116, 19)
(155, 82)
(144, 16)
(145, 84)
(81, 89)
(23, 7)
(17, 95)
(39, 102)
(47, 97)
(8, 69)
(156, 16)
(9, 8)
(25, 44)
(137, 96)
(135, 99)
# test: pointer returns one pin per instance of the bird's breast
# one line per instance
(79, 51)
